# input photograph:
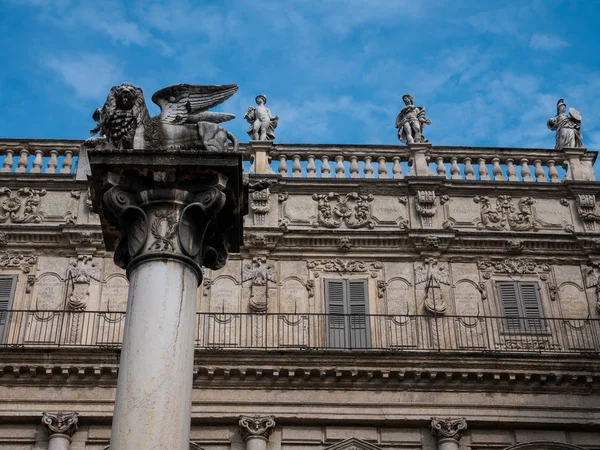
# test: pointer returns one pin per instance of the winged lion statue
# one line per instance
(184, 120)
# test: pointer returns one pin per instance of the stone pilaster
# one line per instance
(256, 431)
(448, 431)
(61, 427)
(166, 214)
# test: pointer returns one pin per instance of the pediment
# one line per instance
(543, 445)
(353, 444)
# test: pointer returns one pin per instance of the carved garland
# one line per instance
(353, 210)
(505, 216)
(17, 260)
(21, 206)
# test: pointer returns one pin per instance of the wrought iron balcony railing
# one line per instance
(287, 331)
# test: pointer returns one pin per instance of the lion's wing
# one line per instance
(178, 101)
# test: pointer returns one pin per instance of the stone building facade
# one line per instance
(386, 297)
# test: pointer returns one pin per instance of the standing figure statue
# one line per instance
(262, 123)
(567, 126)
(410, 122)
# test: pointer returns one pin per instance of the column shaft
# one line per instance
(154, 390)
(59, 442)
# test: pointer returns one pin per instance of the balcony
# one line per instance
(324, 332)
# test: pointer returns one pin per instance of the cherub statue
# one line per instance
(567, 126)
(262, 123)
(184, 120)
(410, 122)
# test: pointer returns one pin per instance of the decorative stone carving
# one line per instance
(256, 427)
(345, 244)
(80, 273)
(515, 246)
(206, 285)
(431, 242)
(381, 288)
(337, 265)
(448, 428)
(433, 276)
(259, 272)
(592, 280)
(506, 216)
(310, 288)
(410, 122)
(3, 239)
(426, 205)
(262, 123)
(30, 283)
(255, 240)
(567, 126)
(514, 266)
(184, 121)
(353, 210)
(21, 206)
(260, 204)
(61, 423)
(586, 208)
(17, 260)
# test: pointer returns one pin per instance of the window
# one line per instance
(347, 320)
(521, 306)
(7, 292)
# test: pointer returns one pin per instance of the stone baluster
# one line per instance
(448, 432)
(22, 162)
(483, 170)
(52, 162)
(354, 172)
(511, 170)
(454, 169)
(67, 162)
(382, 170)
(8, 161)
(497, 170)
(539, 171)
(311, 169)
(552, 172)
(396, 168)
(282, 168)
(340, 172)
(440, 168)
(61, 427)
(296, 167)
(469, 171)
(37, 162)
(256, 431)
(368, 167)
(525, 171)
(325, 168)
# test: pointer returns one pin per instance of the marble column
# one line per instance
(448, 431)
(61, 427)
(166, 214)
(256, 431)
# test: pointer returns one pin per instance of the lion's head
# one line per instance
(123, 112)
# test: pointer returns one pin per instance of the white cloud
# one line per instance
(547, 42)
(90, 75)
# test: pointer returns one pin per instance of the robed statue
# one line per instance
(262, 123)
(567, 126)
(410, 122)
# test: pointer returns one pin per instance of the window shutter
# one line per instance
(532, 310)
(8, 284)
(507, 292)
(357, 305)
(335, 295)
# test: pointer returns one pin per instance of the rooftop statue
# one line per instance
(184, 120)
(262, 123)
(410, 122)
(567, 126)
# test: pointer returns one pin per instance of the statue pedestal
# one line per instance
(171, 213)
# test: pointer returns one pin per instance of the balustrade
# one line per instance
(39, 157)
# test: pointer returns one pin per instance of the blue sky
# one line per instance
(489, 72)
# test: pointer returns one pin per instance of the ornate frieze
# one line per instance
(259, 272)
(433, 275)
(514, 266)
(506, 216)
(345, 244)
(448, 428)
(21, 206)
(22, 261)
(339, 265)
(586, 208)
(61, 423)
(256, 426)
(353, 210)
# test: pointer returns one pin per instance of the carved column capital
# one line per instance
(256, 427)
(173, 204)
(448, 428)
(65, 423)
